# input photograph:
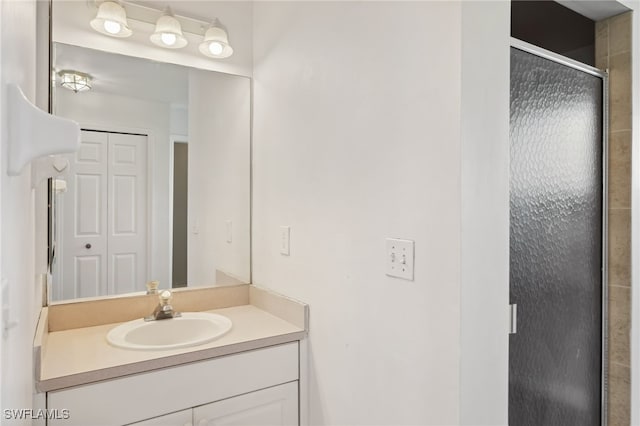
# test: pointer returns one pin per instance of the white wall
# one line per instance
(357, 110)
(219, 177)
(102, 111)
(484, 289)
(71, 25)
(179, 120)
(17, 65)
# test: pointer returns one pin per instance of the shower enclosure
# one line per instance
(557, 357)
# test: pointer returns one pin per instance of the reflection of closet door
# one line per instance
(127, 239)
(84, 230)
(104, 246)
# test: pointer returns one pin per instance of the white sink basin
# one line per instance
(191, 329)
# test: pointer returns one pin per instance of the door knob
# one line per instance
(87, 246)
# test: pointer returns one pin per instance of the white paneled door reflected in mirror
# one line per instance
(160, 188)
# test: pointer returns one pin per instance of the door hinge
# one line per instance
(513, 319)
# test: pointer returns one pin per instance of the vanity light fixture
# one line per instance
(168, 32)
(170, 29)
(111, 20)
(216, 42)
(75, 80)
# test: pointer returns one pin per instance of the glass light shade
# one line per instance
(111, 20)
(76, 81)
(216, 43)
(168, 33)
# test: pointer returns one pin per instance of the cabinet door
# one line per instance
(180, 418)
(273, 406)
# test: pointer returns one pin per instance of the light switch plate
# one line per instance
(400, 258)
(7, 316)
(229, 230)
(285, 232)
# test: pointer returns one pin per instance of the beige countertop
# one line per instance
(82, 355)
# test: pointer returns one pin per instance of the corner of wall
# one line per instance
(21, 298)
(613, 53)
(485, 213)
(635, 215)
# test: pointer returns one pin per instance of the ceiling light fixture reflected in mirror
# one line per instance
(75, 80)
(168, 32)
(216, 42)
(111, 20)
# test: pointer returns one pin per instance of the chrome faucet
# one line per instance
(164, 310)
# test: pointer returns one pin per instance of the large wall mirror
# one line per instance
(160, 188)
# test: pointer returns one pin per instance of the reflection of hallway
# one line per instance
(180, 213)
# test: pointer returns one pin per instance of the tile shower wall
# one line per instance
(613, 52)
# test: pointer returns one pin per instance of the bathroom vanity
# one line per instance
(159, 189)
(250, 375)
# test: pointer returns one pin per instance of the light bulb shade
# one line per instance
(218, 37)
(168, 33)
(76, 81)
(111, 20)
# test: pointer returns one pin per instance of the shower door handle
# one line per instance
(513, 319)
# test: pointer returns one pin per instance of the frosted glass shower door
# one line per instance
(556, 260)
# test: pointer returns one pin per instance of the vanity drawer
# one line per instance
(143, 396)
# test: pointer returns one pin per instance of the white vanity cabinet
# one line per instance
(273, 406)
(181, 418)
(257, 387)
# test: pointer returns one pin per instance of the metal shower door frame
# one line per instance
(604, 75)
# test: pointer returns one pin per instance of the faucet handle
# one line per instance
(165, 297)
(152, 287)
